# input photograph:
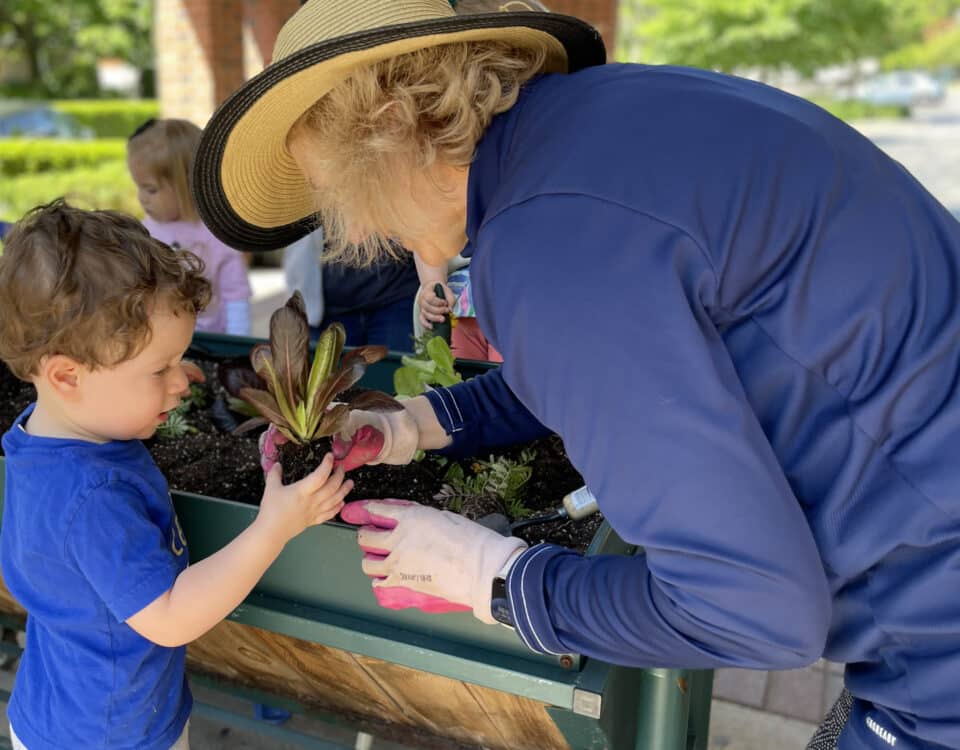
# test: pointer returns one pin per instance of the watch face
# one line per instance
(500, 609)
(500, 602)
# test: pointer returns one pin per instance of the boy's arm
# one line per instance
(205, 593)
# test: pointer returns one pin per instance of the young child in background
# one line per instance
(97, 315)
(160, 158)
(466, 339)
(374, 304)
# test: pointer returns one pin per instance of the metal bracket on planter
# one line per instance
(586, 703)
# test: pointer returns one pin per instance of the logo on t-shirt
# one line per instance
(178, 542)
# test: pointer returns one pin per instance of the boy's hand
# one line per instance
(286, 510)
(193, 373)
(431, 308)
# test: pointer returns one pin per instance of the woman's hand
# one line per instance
(394, 437)
(376, 437)
(270, 441)
(430, 308)
(286, 510)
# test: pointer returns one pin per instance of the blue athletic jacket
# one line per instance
(742, 319)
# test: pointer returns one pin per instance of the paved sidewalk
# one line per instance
(804, 694)
(736, 727)
(751, 708)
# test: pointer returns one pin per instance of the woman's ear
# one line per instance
(61, 373)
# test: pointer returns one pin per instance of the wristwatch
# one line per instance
(499, 601)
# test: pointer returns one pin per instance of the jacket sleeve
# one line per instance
(615, 349)
(483, 413)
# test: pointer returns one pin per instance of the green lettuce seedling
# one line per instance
(432, 365)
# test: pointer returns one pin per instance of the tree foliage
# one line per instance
(936, 53)
(61, 42)
(769, 35)
(933, 30)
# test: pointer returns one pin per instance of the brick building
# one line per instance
(207, 48)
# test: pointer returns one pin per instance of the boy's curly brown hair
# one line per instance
(84, 284)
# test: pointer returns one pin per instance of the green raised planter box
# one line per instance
(312, 632)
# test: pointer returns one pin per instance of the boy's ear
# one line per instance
(61, 373)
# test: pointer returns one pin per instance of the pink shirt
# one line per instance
(225, 267)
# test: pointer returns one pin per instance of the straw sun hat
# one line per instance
(248, 188)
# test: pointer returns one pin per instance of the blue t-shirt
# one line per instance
(745, 328)
(89, 538)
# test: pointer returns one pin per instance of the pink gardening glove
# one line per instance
(270, 441)
(430, 559)
(363, 448)
(398, 597)
(376, 437)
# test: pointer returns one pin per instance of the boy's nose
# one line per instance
(179, 382)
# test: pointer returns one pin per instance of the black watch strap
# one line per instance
(500, 602)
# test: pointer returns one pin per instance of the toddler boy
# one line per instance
(97, 315)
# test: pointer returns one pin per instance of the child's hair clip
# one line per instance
(145, 126)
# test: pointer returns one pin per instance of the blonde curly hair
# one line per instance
(378, 134)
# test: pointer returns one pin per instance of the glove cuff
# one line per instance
(401, 436)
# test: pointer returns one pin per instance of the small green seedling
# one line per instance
(499, 477)
(176, 424)
(431, 364)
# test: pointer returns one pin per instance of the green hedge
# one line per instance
(20, 156)
(851, 109)
(105, 186)
(110, 118)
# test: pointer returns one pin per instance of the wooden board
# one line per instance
(392, 701)
(8, 604)
(472, 714)
(412, 703)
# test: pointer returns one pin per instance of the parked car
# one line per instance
(25, 120)
(903, 88)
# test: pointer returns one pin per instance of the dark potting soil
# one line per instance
(218, 464)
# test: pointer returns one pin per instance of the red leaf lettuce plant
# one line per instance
(299, 395)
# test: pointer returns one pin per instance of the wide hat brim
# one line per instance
(249, 190)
